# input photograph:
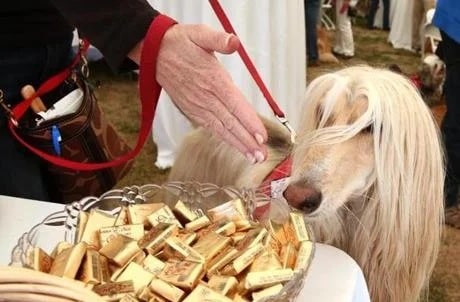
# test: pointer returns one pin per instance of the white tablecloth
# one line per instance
(332, 277)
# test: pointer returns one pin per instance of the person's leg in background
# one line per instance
(386, 14)
(420, 9)
(312, 15)
(344, 46)
(450, 128)
(373, 6)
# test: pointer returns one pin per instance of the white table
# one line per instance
(332, 277)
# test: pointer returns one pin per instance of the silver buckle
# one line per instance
(286, 124)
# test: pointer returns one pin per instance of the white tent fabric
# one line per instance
(401, 24)
(273, 33)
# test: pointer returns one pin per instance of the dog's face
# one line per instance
(432, 71)
(327, 176)
(333, 160)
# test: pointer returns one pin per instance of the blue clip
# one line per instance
(56, 134)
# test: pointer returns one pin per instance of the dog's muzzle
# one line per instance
(303, 197)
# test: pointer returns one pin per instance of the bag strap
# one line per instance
(149, 94)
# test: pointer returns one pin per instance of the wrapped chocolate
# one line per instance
(158, 252)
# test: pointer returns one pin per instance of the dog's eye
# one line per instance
(368, 129)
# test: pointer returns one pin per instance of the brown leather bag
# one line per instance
(85, 136)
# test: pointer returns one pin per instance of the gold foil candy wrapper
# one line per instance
(267, 292)
(96, 220)
(182, 251)
(114, 288)
(187, 237)
(60, 247)
(223, 284)
(39, 260)
(145, 294)
(303, 256)
(202, 293)
(90, 269)
(129, 298)
(120, 249)
(137, 213)
(221, 260)
(67, 263)
(153, 264)
(268, 260)
(288, 256)
(166, 290)
(253, 237)
(163, 215)
(210, 245)
(243, 260)
(133, 231)
(183, 274)
(198, 224)
(139, 276)
(299, 228)
(122, 217)
(258, 280)
(82, 221)
(154, 240)
(183, 212)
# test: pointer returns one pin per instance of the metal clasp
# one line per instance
(288, 126)
(7, 109)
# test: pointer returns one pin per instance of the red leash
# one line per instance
(149, 94)
(226, 24)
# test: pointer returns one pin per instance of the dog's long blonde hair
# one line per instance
(394, 229)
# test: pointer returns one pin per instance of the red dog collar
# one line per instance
(282, 170)
(415, 79)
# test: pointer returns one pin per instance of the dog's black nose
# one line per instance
(303, 197)
(312, 202)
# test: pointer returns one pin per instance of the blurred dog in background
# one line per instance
(429, 78)
(367, 171)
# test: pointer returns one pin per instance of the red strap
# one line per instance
(149, 94)
(50, 84)
(245, 57)
(282, 170)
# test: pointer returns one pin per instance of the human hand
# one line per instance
(200, 87)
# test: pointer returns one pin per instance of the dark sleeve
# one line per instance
(113, 26)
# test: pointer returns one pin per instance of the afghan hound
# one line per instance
(367, 170)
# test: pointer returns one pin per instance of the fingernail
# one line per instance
(259, 138)
(251, 158)
(259, 156)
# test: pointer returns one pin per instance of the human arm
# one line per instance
(186, 68)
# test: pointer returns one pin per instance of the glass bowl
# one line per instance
(62, 225)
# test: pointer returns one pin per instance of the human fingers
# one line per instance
(226, 123)
(198, 84)
(235, 102)
(213, 40)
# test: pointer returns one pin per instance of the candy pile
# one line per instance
(150, 252)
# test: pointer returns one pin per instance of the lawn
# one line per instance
(118, 97)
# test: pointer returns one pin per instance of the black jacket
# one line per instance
(113, 26)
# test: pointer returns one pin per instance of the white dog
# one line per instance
(367, 169)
